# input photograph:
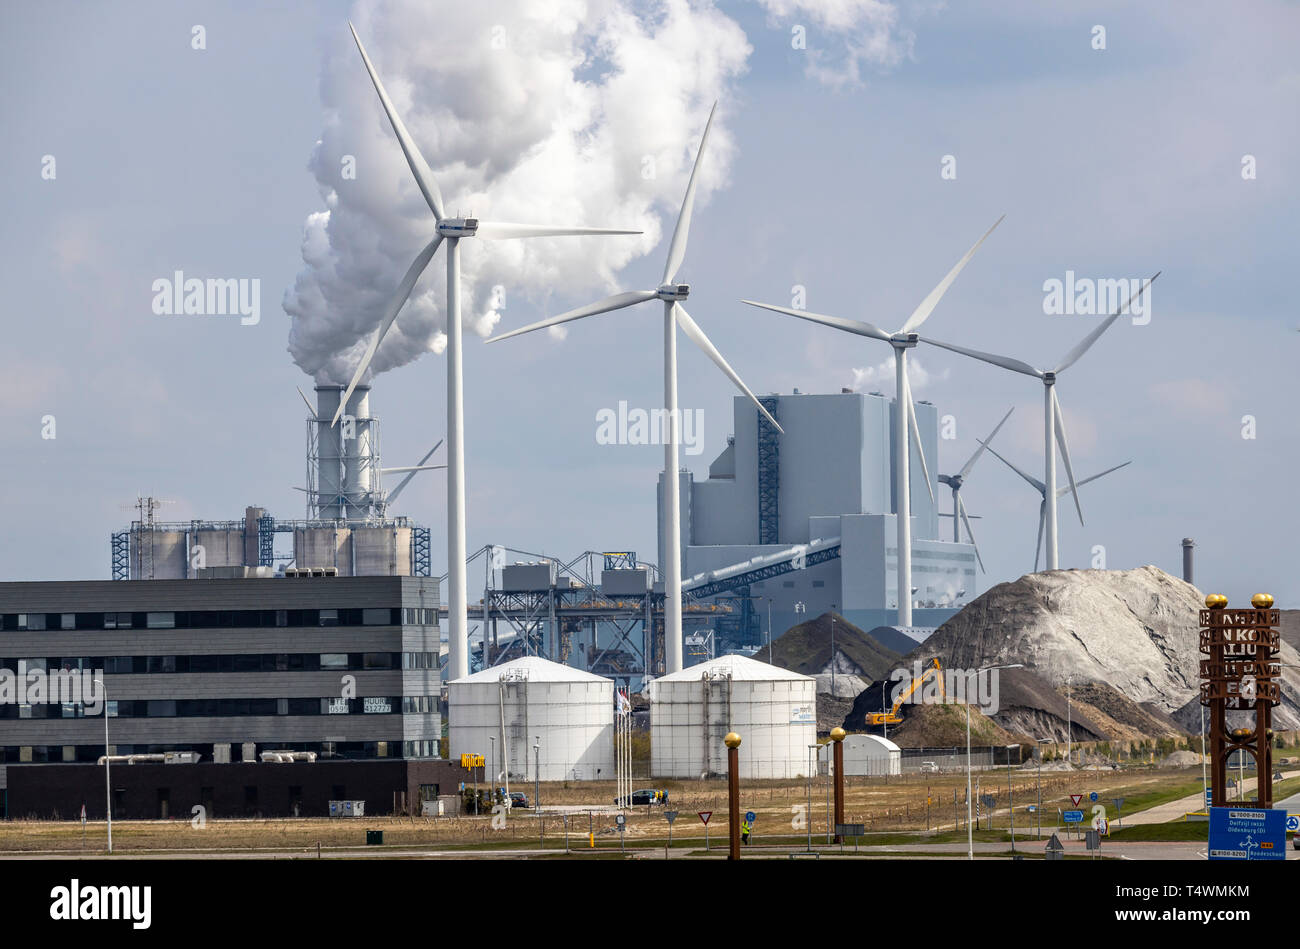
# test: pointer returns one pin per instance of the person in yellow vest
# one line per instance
(744, 832)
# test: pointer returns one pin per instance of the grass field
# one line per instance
(893, 810)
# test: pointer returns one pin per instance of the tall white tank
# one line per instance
(773, 710)
(570, 713)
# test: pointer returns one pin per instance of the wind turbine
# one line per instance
(1053, 423)
(675, 315)
(452, 229)
(956, 481)
(902, 341)
(1042, 490)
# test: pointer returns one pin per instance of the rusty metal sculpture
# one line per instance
(1240, 673)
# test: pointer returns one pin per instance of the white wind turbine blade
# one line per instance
(835, 322)
(497, 231)
(916, 436)
(1061, 491)
(677, 249)
(616, 302)
(411, 468)
(984, 444)
(309, 405)
(692, 330)
(394, 307)
(926, 307)
(1073, 355)
(1065, 452)
(419, 167)
(1006, 362)
(392, 495)
(1042, 519)
(961, 509)
(1038, 485)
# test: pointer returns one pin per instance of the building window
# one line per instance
(67, 621)
(335, 706)
(160, 620)
(329, 617)
(333, 660)
(819, 583)
(31, 620)
(375, 705)
(376, 617)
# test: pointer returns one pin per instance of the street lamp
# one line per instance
(108, 784)
(492, 756)
(812, 749)
(832, 655)
(769, 630)
(537, 774)
(970, 831)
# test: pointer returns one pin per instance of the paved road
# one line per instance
(1174, 810)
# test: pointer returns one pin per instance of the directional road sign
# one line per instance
(1245, 833)
(1073, 817)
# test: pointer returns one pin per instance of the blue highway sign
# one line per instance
(1243, 833)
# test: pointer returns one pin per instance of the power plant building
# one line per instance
(830, 475)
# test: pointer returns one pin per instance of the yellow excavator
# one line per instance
(891, 717)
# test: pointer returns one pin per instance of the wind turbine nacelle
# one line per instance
(673, 291)
(458, 226)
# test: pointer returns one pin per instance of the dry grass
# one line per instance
(895, 804)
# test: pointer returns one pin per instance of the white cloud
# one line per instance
(526, 112)
(845, 36)
(881, 375)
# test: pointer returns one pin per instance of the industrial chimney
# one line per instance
(346, 457)
(1188, 545)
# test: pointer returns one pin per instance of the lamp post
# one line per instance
(732, 741)
(832, 650)
(537, 773)
(492, 756)
(812, 761)
(970, 831)
(769, 630)
(108, 784)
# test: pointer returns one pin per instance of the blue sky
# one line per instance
(1113, 163)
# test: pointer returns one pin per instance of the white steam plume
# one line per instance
(582, 112)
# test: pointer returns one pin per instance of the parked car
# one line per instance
(517, 799)
(1295, 842)
(643, 796)
(929, 767)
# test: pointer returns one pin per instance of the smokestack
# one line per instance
(1188, 545)
(346, 473)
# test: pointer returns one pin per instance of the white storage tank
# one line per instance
(865, 755)
(521, 701)
(772, 709)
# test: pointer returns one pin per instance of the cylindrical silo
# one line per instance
(568, 712)
(383, 551)
(772, 709)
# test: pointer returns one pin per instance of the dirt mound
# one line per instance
(806, 649)
(945, 726)
(1134, 631)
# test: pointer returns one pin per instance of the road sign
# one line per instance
(1101, 825)
(988, 800)
(620, 820)
(1209, 796)
(1054, 845)
(749, 816)
(1244, 833)
(850, 830)
(1093, 840)
(1093, 797)
(1073, 817)
(1292, 821)
(670, 816)
(1232, 782)
(705, 815)
(1075, 799)
(1033, 808)
(1118, 802)
(83, 813)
